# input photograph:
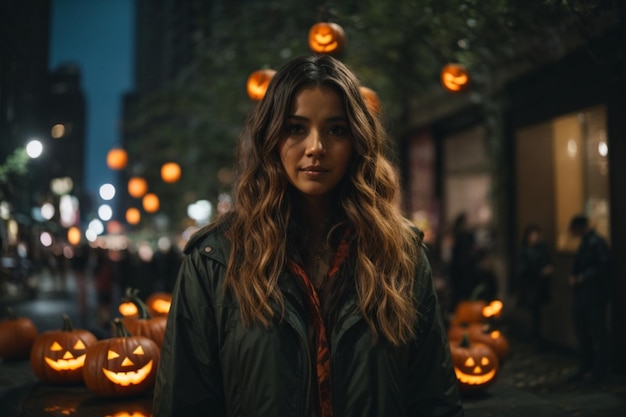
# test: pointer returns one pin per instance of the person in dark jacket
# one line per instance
(590, 280)
(535, 272)
(312, 297)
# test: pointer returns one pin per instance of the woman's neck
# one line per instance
(315, 214)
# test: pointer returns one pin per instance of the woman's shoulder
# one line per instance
(210, 241)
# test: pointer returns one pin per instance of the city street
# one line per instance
(530, 382)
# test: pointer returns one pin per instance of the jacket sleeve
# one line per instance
(189, 380)
(433, 385)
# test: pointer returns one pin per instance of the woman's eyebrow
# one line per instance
(331, 119)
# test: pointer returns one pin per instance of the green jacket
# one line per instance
(213, 365)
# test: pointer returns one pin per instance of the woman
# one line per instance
(312, 297)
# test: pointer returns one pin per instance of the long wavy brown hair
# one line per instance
(384, 248)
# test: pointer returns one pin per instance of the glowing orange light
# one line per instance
(493, 309)
(258, 82)
(137, 187)
(133, 216)
(371, 99)
(73, 235)
(170, 172)
(454, 77)
(151, 203)
(326, 38)
(117, 159)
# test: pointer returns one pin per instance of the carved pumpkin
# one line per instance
(371, 99)
(17, 336)
(326, 38)
(121, 366)
(493, 309)
(258, 82)
(58, 356)
(469, 311)
(127, 308)
(483, 333)
(475, 364)
(159, 303)
(144, 324)
(454, 77)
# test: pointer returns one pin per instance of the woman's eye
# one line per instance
(294, 129)
(339, 130)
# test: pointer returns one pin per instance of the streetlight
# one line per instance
(34, 149)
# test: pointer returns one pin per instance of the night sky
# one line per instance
(97, 35)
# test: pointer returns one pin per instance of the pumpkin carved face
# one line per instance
(121, 366)
(326, 38)
(454, 77)
(58, 356)
(258, 82)
(475, 365)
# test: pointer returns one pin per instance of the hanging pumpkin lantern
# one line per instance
(133, 216)
(121, 366)
(137, 187)
(371, 99)
(258, 82)
(475, 364)
(117, 158)
(326, 38)
(170, 172)
(483, 333)
(58, 356)
(159, 303)
(17, 336)
(454, 77)
(144, 324)
(151, 203)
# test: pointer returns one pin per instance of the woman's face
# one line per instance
(318, 146)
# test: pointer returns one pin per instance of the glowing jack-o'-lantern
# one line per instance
(371, 99)
(144, 324)
(127, 308)
(454, 77)
(483, 333)
(58, 356)
(17, 335)
(121, 366)
(475, 364)
(258, 82)
(159, 303)
(326, 38)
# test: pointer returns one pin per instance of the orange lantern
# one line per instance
(326, 38)
(137, 187)
(117, 158)
(454, 77)
(258, 82)
(150, 203)
(133, 216)
(170, 172)
(371, 99)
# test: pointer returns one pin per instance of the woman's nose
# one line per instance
(315, 144)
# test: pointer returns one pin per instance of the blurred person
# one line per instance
(590, 283)
(312, 297)
(535, 273)
(463, 262)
